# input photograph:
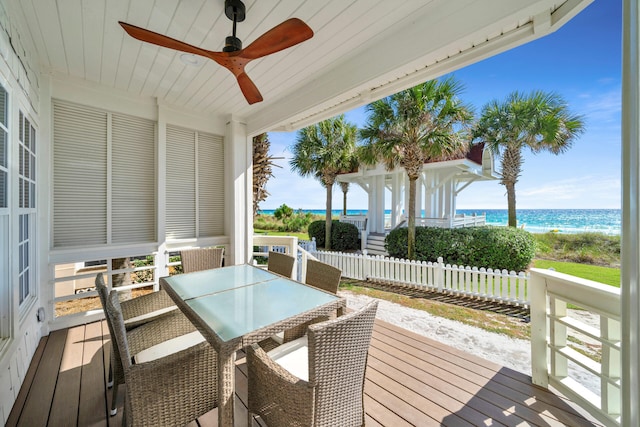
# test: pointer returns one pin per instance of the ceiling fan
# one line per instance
(233, 56)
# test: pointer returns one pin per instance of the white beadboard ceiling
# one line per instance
(362, 49)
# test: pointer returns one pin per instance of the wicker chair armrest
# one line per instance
(176, 389)
(279, 397)
(299, 331)
(165, 328)
(145, 304)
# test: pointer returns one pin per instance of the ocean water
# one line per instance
(607, 221)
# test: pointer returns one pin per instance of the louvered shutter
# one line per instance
(133, 188)
(181, 184)
(79, 175)
(210, 185)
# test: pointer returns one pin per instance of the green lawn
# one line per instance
(606, 275)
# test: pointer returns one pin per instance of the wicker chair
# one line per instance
(281, 264)
(323, 276)
(333, 360)
(319, 275)
(201, 259)
(136, 312)
(170, 390)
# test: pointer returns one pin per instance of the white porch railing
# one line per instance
(552, 331)
(360, 221)
(493, 285)
(457, 221)
(75, 271)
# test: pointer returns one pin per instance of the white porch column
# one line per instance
(420, 188)
(396, 198)
(161, 209)
(371, 205)
(448, 208)
(238, 222)
(630, 286)
(378, 188)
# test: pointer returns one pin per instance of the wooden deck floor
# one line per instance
(411, 381)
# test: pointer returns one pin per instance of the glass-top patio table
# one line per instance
(240, 305)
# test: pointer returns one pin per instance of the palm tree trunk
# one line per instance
(511, 204)
(121, 279)
(327, 231)
(411, 216)
(345, 189)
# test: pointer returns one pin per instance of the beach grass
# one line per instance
(607, 275)
(583, 248)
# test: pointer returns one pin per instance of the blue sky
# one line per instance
(581, 62)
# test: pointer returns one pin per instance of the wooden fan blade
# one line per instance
(249, 89)
(289, 33)
(148, 36)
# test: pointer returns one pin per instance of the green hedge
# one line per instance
(344, 236)
(501, 248)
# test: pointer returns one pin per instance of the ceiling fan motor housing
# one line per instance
(235, 10)
(232, 44)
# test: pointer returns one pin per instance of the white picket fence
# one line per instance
(487, 284)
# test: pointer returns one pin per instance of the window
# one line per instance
(26, 206)
(4, 170)
(195, 184)
(5, 235)
(104, 177)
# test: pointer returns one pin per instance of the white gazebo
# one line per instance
(436, 192)
(112, 148)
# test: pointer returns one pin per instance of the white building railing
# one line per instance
(553, 330)
(457, 221)
(360, 221)
(492, 285)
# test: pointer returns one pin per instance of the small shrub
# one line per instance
(296, 222)
(343, 236)
(283, 212)
(501, 248)
(317, 229)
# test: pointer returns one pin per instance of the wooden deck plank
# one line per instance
(503, 387)
(64, 409)
(411, 380)
(21, 398)
(387, 396)
(381, 414)
(92, 409)
(506, 408)
(437, 392)
(40, 397)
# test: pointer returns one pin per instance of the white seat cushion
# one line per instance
(168, 347)
(294, 357)
(150, 315)
(278, 337)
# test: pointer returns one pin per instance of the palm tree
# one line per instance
(540, 121)
(262, 169)
(416, 126)
(324, 150)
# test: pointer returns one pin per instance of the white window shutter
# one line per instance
(210, 185)
(181, 184)
(80, 176)
(133, 188)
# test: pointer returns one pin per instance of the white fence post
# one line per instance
(439, 276)
(538, 307)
